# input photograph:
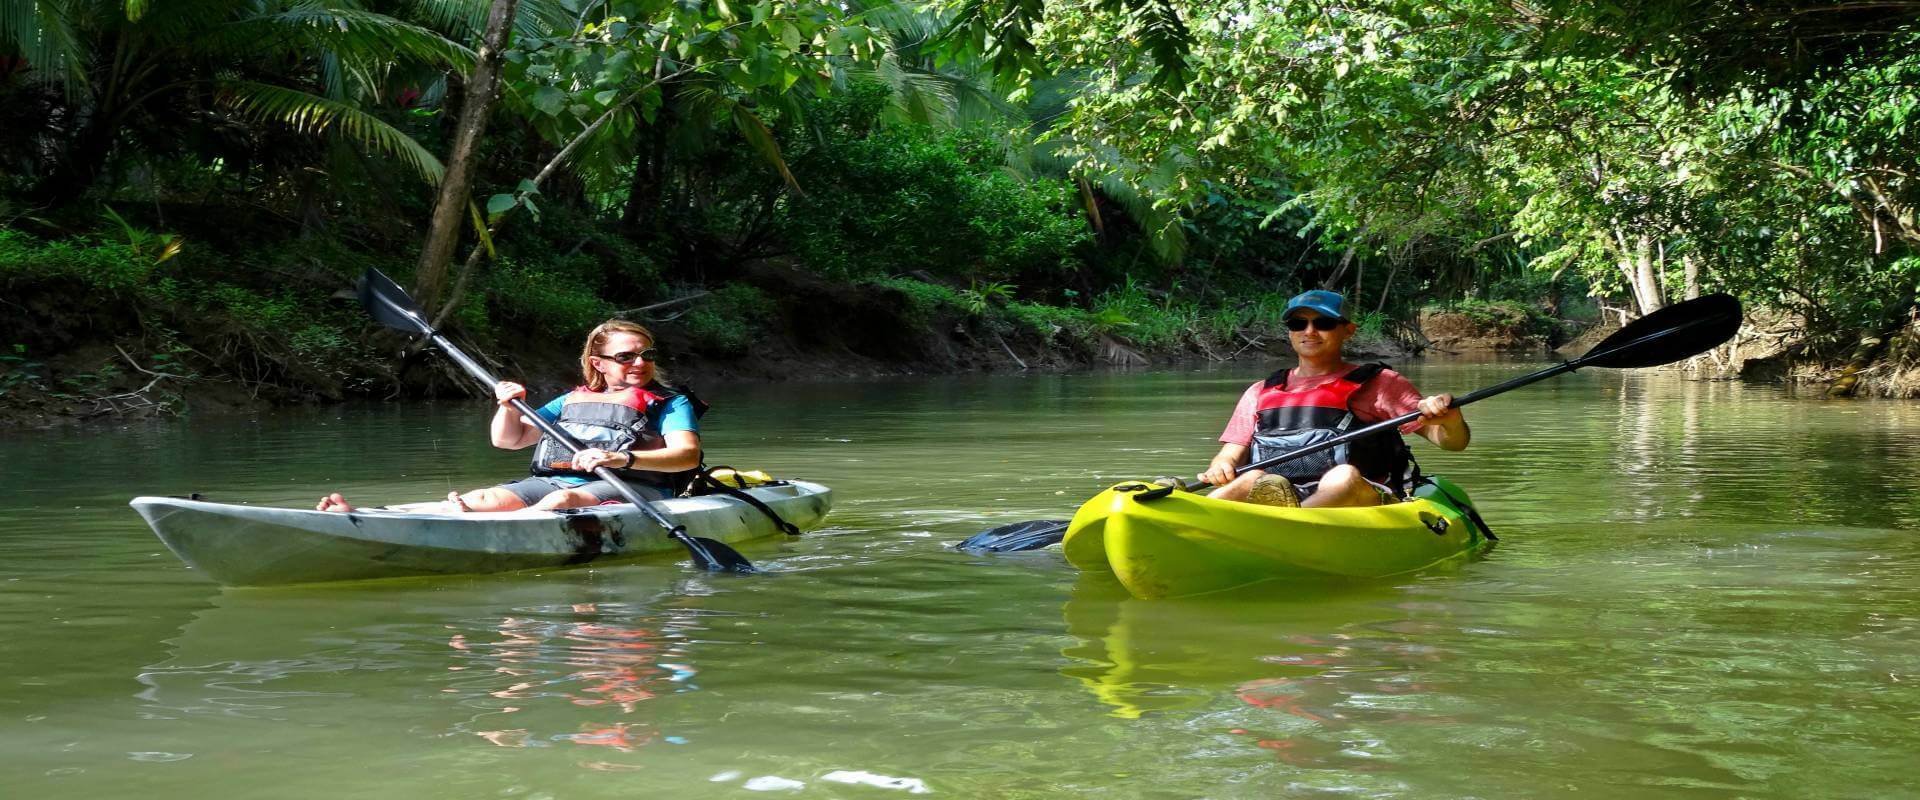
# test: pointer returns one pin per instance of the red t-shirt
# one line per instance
(1388, 395)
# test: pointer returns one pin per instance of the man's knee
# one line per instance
(1237, 488)
(1341, 476)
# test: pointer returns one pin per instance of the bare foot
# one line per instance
(457, 504)
(333, 502)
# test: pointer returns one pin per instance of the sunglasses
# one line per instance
(631, 356)
(1298, 324)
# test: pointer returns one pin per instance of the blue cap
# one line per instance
(1321, 300)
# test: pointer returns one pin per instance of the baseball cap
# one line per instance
(1321, 300)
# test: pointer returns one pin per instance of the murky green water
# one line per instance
(1703, 590)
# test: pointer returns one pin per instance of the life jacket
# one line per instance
(628, 419)
(1289, 419)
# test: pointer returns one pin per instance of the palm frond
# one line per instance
(354, 34)
(466, 20)
(39, 32)
(761, 138)
(313, 114)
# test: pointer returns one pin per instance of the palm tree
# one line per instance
(153, 66)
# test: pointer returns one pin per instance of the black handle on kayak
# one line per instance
(391, 306)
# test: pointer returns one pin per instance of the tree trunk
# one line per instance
(650, 167)
(450, 208)
(1690, 267)
(1646, 282)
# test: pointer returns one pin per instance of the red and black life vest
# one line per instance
(1289, 419)
(628, 419)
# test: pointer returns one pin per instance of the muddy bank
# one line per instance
(117, 360)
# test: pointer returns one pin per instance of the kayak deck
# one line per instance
(1162, 545)
(239, 545)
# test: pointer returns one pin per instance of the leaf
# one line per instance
(527, 186)
(549, 101)
(312, 114)
(499, 204)
(480, 230)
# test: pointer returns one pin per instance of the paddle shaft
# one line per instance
(1465, 399)
(527, 413)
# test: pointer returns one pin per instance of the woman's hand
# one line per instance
(506, 392)
(590, 458)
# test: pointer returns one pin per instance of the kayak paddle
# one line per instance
(390, 305)
(1670, 334)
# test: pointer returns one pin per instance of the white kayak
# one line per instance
(240, 545)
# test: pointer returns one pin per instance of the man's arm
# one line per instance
(1444, 426)
(1220, 472)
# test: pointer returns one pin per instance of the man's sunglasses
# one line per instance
(1298, 324)
(630, 356)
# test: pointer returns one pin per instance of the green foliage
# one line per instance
(1133, 312)
(556, 295)
(732, 319)
(924, 300)
(99, 266)
(20, 370)
(914, 199)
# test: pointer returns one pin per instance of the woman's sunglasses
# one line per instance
(631, 356)
(1298, 324)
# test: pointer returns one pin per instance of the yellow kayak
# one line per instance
(1163, 543)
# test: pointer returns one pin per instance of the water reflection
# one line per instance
(557, 663)
(1142, 656)
(609, 657)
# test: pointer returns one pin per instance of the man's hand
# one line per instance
(1438, 409)
(1219, 473)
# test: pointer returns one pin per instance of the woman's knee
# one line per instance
(492, 499)
(566, 498)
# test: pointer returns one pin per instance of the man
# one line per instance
(1318, 400)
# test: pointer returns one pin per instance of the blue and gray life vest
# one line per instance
(628, 419)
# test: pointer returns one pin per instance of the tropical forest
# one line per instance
(999, 399)
(793, 189)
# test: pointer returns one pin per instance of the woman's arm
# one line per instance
(509, 430)
(682, 451)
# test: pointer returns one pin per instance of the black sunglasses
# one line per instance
(1298, 324)
(631, 356)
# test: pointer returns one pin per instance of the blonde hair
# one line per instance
(598, 338)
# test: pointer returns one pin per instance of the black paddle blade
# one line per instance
(390, 305)
(713, 556)
(1030, 535)
(1682, 330)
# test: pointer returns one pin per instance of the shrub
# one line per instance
(100, 266)
(544, 297)
(731, 319)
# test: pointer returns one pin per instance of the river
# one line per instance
(1703, 589)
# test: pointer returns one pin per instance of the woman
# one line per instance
(645, 432)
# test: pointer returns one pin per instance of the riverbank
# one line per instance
(108, 331)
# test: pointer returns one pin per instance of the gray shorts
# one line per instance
(532, 489)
